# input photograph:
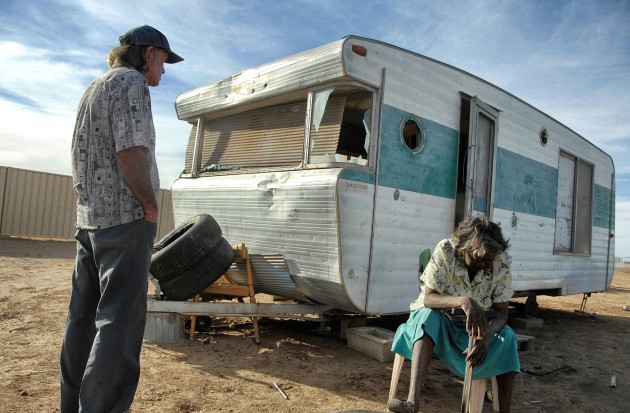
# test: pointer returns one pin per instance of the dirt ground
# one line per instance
(569, 369)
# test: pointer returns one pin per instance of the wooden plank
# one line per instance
(227, 289)
(235, 309)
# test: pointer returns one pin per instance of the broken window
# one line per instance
(340, 125)
(574, 205)
(274, 136)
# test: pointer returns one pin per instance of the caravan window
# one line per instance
(273, 135)
(262, 137)
(340, 125)
(412, 133)
(574, 205)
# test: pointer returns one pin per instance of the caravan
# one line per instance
(351, 159)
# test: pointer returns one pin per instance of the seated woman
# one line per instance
(471, 271)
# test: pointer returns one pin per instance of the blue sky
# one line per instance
(570, 59)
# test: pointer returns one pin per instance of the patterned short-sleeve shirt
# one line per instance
(446, 273)
(114, 114)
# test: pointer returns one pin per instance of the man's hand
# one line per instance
(135, 168)
(151, 214)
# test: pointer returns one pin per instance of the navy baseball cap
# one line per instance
(148, 36)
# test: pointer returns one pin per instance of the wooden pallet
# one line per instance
(224, 287)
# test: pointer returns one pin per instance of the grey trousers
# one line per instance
(100, 354)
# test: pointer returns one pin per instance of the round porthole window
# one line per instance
(412, 133)
(544, 136)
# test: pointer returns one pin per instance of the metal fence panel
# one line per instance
(166, 220)
(43, 205)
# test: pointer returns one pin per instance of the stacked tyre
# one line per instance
(191, 257)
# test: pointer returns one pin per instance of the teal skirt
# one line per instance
(451, 340)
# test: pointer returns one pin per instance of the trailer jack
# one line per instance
(582, 309)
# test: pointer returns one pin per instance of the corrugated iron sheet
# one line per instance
(292, 213)
(37, 204)
(43, 205)
(271, 276)
(300, 71)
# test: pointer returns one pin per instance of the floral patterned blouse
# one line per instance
(446, 273)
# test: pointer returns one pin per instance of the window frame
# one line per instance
(421, 139)
(195, 158)
(581, 236)
(371, 159)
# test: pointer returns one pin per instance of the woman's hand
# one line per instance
(479, 351)
(475, 318)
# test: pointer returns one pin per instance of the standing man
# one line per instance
(116, 180)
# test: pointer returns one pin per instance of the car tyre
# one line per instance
(201, 275)
(184, 247)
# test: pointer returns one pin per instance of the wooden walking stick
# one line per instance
(467, 379)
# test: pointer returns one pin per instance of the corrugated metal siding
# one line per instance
(4, 172)
(42, 205)
(166, 220)
(413, 223)
(535, 266)
(432, 171)
(356, 199)
(271, 276)
(525, 185)
(402, 230)
(431, 89)
(293, 213)
(414, 83)
(38, 204)
(300, 71)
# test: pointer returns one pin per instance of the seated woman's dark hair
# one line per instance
(479, 237)
(128, 55)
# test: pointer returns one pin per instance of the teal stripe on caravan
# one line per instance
(531, 187)
(525, 185)
(432, 171)
(601, 207)
(357, 176)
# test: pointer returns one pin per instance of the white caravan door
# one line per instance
(481, 158)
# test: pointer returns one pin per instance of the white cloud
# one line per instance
(35, 140)
(38, 77)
